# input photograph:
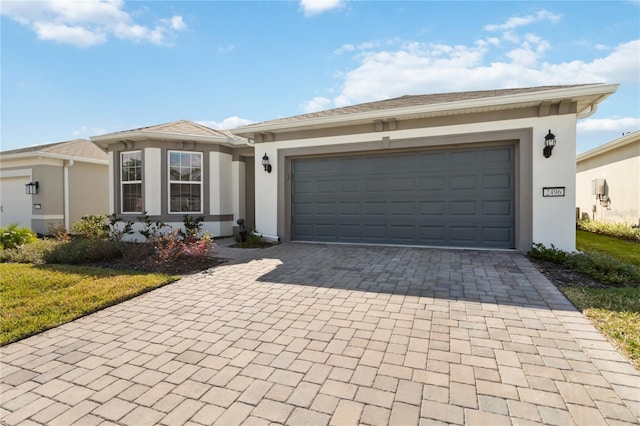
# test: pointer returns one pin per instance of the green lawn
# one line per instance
(615, 311)
(36, 298)
(627, 251)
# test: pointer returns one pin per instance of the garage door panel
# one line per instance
(432, 208)
(462, 208)
(463, 182)
(401, 184)
(463, 233)
(303, 187)
(497, 208)
(323, 209)
(349, 209)
(454, 198)
(497, 234)
(350, 186)
(374, 185)
(497, 181)
(431, 183)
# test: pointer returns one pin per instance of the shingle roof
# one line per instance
(413, 100)
(79, 148)
(183, 127)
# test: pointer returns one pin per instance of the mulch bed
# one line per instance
(563, 277)
(139, 257)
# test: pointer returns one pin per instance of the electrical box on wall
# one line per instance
(599, 187)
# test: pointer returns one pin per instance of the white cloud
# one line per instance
(399, 68)
(226, 124)
(85, 132)
(519, 21)
(87, 22)
(316, 104)
(316, 7)
(621, 124)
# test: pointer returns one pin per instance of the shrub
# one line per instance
(14, 236)
(170, 248)
(613, 229)
(119, 227)
(150, 230)
(200, 247)
(82, 250)
(91, 227)
(602, 267)
(167, 248)
(192, 226)
(551, 254)
(59, 232)
(35, 252)
(605, 268)
(254, 240)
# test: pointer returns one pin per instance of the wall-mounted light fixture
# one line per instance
(266, 164)
(31, 188)
(549, 143)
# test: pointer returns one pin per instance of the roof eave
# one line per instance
(41, 154)
(135, 135)
(506, 101)
(610, 146)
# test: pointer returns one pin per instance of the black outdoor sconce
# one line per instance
(266, 164)
(549, 143)
(31, 188)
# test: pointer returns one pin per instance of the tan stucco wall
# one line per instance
(621, 169)
(88, 190)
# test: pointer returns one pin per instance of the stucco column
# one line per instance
(267, 191)
(220, 186)
(554, 217)
(239, 189)
(112, 183)
(152, 166)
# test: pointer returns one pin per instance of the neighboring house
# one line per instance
(455, 170)
(608, 181)
(68, 180)
(180, 168)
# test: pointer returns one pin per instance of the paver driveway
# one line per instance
(318, 334)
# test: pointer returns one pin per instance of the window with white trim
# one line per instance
(185, 182)
(131, 181)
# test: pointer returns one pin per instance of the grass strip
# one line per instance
(624, 250)
(35, 298)
(613, 311)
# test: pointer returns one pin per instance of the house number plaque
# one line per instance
(553, 191)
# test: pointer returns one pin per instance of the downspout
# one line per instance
(66, 193)
(594, 108)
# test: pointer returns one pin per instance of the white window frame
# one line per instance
(130, 182)
(170, 182)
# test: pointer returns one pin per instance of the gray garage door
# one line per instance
(462, 198)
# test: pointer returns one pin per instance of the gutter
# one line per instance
(105, 140)
(554, 95)
(610, 146)
(40, 154)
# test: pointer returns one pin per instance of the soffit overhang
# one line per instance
(585, 97)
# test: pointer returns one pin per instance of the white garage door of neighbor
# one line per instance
(15, 204)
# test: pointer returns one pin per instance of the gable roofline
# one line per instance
(59, 151)
(180, 130)
(587, 96)
(627, 139)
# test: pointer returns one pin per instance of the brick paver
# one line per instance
(318, 334)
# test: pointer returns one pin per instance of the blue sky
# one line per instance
(74, 69)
